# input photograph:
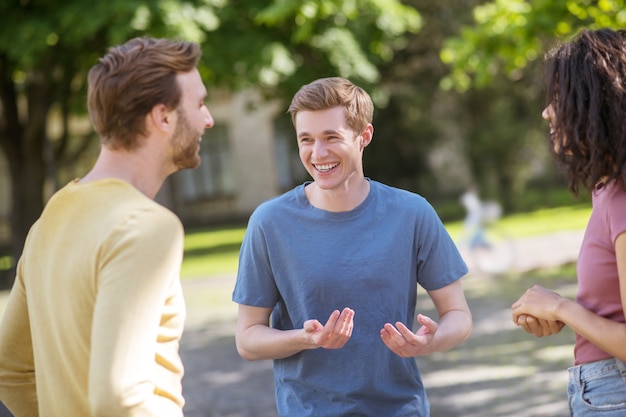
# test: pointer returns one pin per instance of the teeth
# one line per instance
(325, 168)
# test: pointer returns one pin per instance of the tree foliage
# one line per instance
(495, 65)
(46, 48)
(509, 35)
(45, 51)
(280, 46)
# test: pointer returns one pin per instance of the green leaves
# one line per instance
(508, 35)
(350, 36)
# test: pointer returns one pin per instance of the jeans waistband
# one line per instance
(591, 370)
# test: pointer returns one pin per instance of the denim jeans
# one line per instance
(598, 389)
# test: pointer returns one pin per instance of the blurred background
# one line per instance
(457, 84)
(458, 88)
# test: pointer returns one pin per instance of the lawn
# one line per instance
(215, 250)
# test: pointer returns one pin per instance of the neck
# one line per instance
(349, 196)
(134, 167)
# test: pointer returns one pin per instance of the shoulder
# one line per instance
(399, 196)
(394, 191)
(277, 206)
(132, 215)
(610, 199)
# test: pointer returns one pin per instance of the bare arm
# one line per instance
(454, 327)
(256, 340)
(608, 335)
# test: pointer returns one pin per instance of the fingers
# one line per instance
(393, 337)
(556, 326)
(337, 330)
(538, 327)
(530, 324)
(345, 322)
(402, 341)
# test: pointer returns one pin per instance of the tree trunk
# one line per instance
(24, 146)
(27, 202)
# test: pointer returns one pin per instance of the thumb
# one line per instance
(311, 326)
(428, 324)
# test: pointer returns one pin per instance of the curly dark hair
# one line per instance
(586, 86)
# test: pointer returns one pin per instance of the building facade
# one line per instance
(249, 156)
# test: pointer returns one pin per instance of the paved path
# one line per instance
(499, 372)
(548, 251)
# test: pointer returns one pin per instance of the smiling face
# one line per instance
(193, 118)
(329, 149)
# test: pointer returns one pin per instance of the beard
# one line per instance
(185, 144)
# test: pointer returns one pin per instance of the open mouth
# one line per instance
(325, 167)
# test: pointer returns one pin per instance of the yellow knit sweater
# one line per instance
(93, 322)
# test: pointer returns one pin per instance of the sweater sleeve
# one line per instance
(138, 266)
(18, 390)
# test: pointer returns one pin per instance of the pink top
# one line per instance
(598, 280)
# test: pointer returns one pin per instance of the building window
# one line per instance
(215, 176)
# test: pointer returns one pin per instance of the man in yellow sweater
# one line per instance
(93, 322)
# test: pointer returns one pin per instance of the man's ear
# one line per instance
(367, 135)
(162, 119)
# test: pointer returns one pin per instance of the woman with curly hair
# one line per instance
(586, 91)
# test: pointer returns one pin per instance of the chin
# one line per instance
(194, 164)
(188, 163)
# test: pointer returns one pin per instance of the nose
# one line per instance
(208, 119)
(547, 112)
(319, 149)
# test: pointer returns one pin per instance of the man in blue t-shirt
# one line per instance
(328, 274)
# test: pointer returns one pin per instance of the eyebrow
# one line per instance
(326, 132)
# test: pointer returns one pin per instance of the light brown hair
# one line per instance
(326, 93)
(130, 80)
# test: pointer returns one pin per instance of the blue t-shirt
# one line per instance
(305, 262)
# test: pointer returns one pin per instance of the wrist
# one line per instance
(560, 307)
(305, 340)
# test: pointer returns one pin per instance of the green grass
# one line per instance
(215, 251)
(6, 262)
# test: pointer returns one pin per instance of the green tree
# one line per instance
(496, 66)
(45, 50)
(509, 35)
(280, 46)
(47, 47)
(407, 127)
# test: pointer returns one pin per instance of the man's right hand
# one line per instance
(335, 333)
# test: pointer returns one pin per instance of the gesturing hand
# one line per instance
(403, 342)
(335, 333)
